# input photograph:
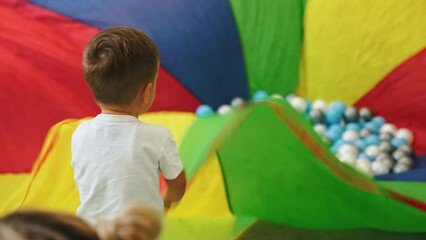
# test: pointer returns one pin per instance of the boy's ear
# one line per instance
(146, 93)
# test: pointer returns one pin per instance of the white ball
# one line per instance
(237, 102)
(350, 136)
(363, 165)
(277, 96)
(320, 128)
(405, 134)
(224, 109)
(388, 128)
(347, 158)
(399, 168)
(348, 149)
(320, 105)
(379, 168)
(372, 151)
(298, 103)
(290, 97)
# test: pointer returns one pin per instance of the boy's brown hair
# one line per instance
(117, 62)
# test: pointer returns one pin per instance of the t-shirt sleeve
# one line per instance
(170, 164)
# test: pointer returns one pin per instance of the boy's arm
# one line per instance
(175, 189)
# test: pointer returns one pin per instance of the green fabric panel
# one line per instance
(413, 189)
(271, 37)
(197, 142)
(270, 174)
(270, 231)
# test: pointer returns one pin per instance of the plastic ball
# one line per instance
(398, 154)
(389, 162)
(333, 115)
(320, 128)
(378, 120)
(298, 103)
(407, 149)
(379, 168)
(399, 168)
(277, 96)
(386, 146)
(360, 144)
(336, 145)
(373, 127)
(204, 111)
(372, 151)
(290, 96)
(385, 136)
(383, 155)
(388, 128)
(351, 114)
(320, 105)
(405, 134)
(260, 95)
(406, 160)
(366, 114)
(348, 149)
(397, 142)
(365, 156)
(224, 109)
(336, 127)
(338, 105)
(353, 126)
(317, 116)
(350, 136)
(364, 166)
(308, 106)
(347, 158)
(364, 133)
(372, 140)
(237, 102)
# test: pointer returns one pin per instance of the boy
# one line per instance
(116, 158)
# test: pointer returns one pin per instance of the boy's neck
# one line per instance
(118, 110)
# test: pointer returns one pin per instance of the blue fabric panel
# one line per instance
(416, 175)
(198, 39)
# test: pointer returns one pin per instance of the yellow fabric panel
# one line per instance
(206, 195)
(12, 189)
(349, 46)
(176, 122)
(52, 185)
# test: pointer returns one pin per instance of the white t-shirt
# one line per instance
(117, 160)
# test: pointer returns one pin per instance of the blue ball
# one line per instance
(397, 142)
(360, 144)
(372, 140)
(353, 126)
(373, 127)
(334, 115)
(378, 120)
(338, 105)
(363, 155)
(260, 95)
(308, 106)
(204, 111)
(338, 143)
(334, 132)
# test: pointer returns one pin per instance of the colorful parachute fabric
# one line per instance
(259, 172)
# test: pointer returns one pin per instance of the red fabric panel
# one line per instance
(401, 98)
(41, 81)
(171, 95)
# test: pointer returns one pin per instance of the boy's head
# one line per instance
(118, 64)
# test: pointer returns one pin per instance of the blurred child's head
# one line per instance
(135, 222)
(120, 65)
